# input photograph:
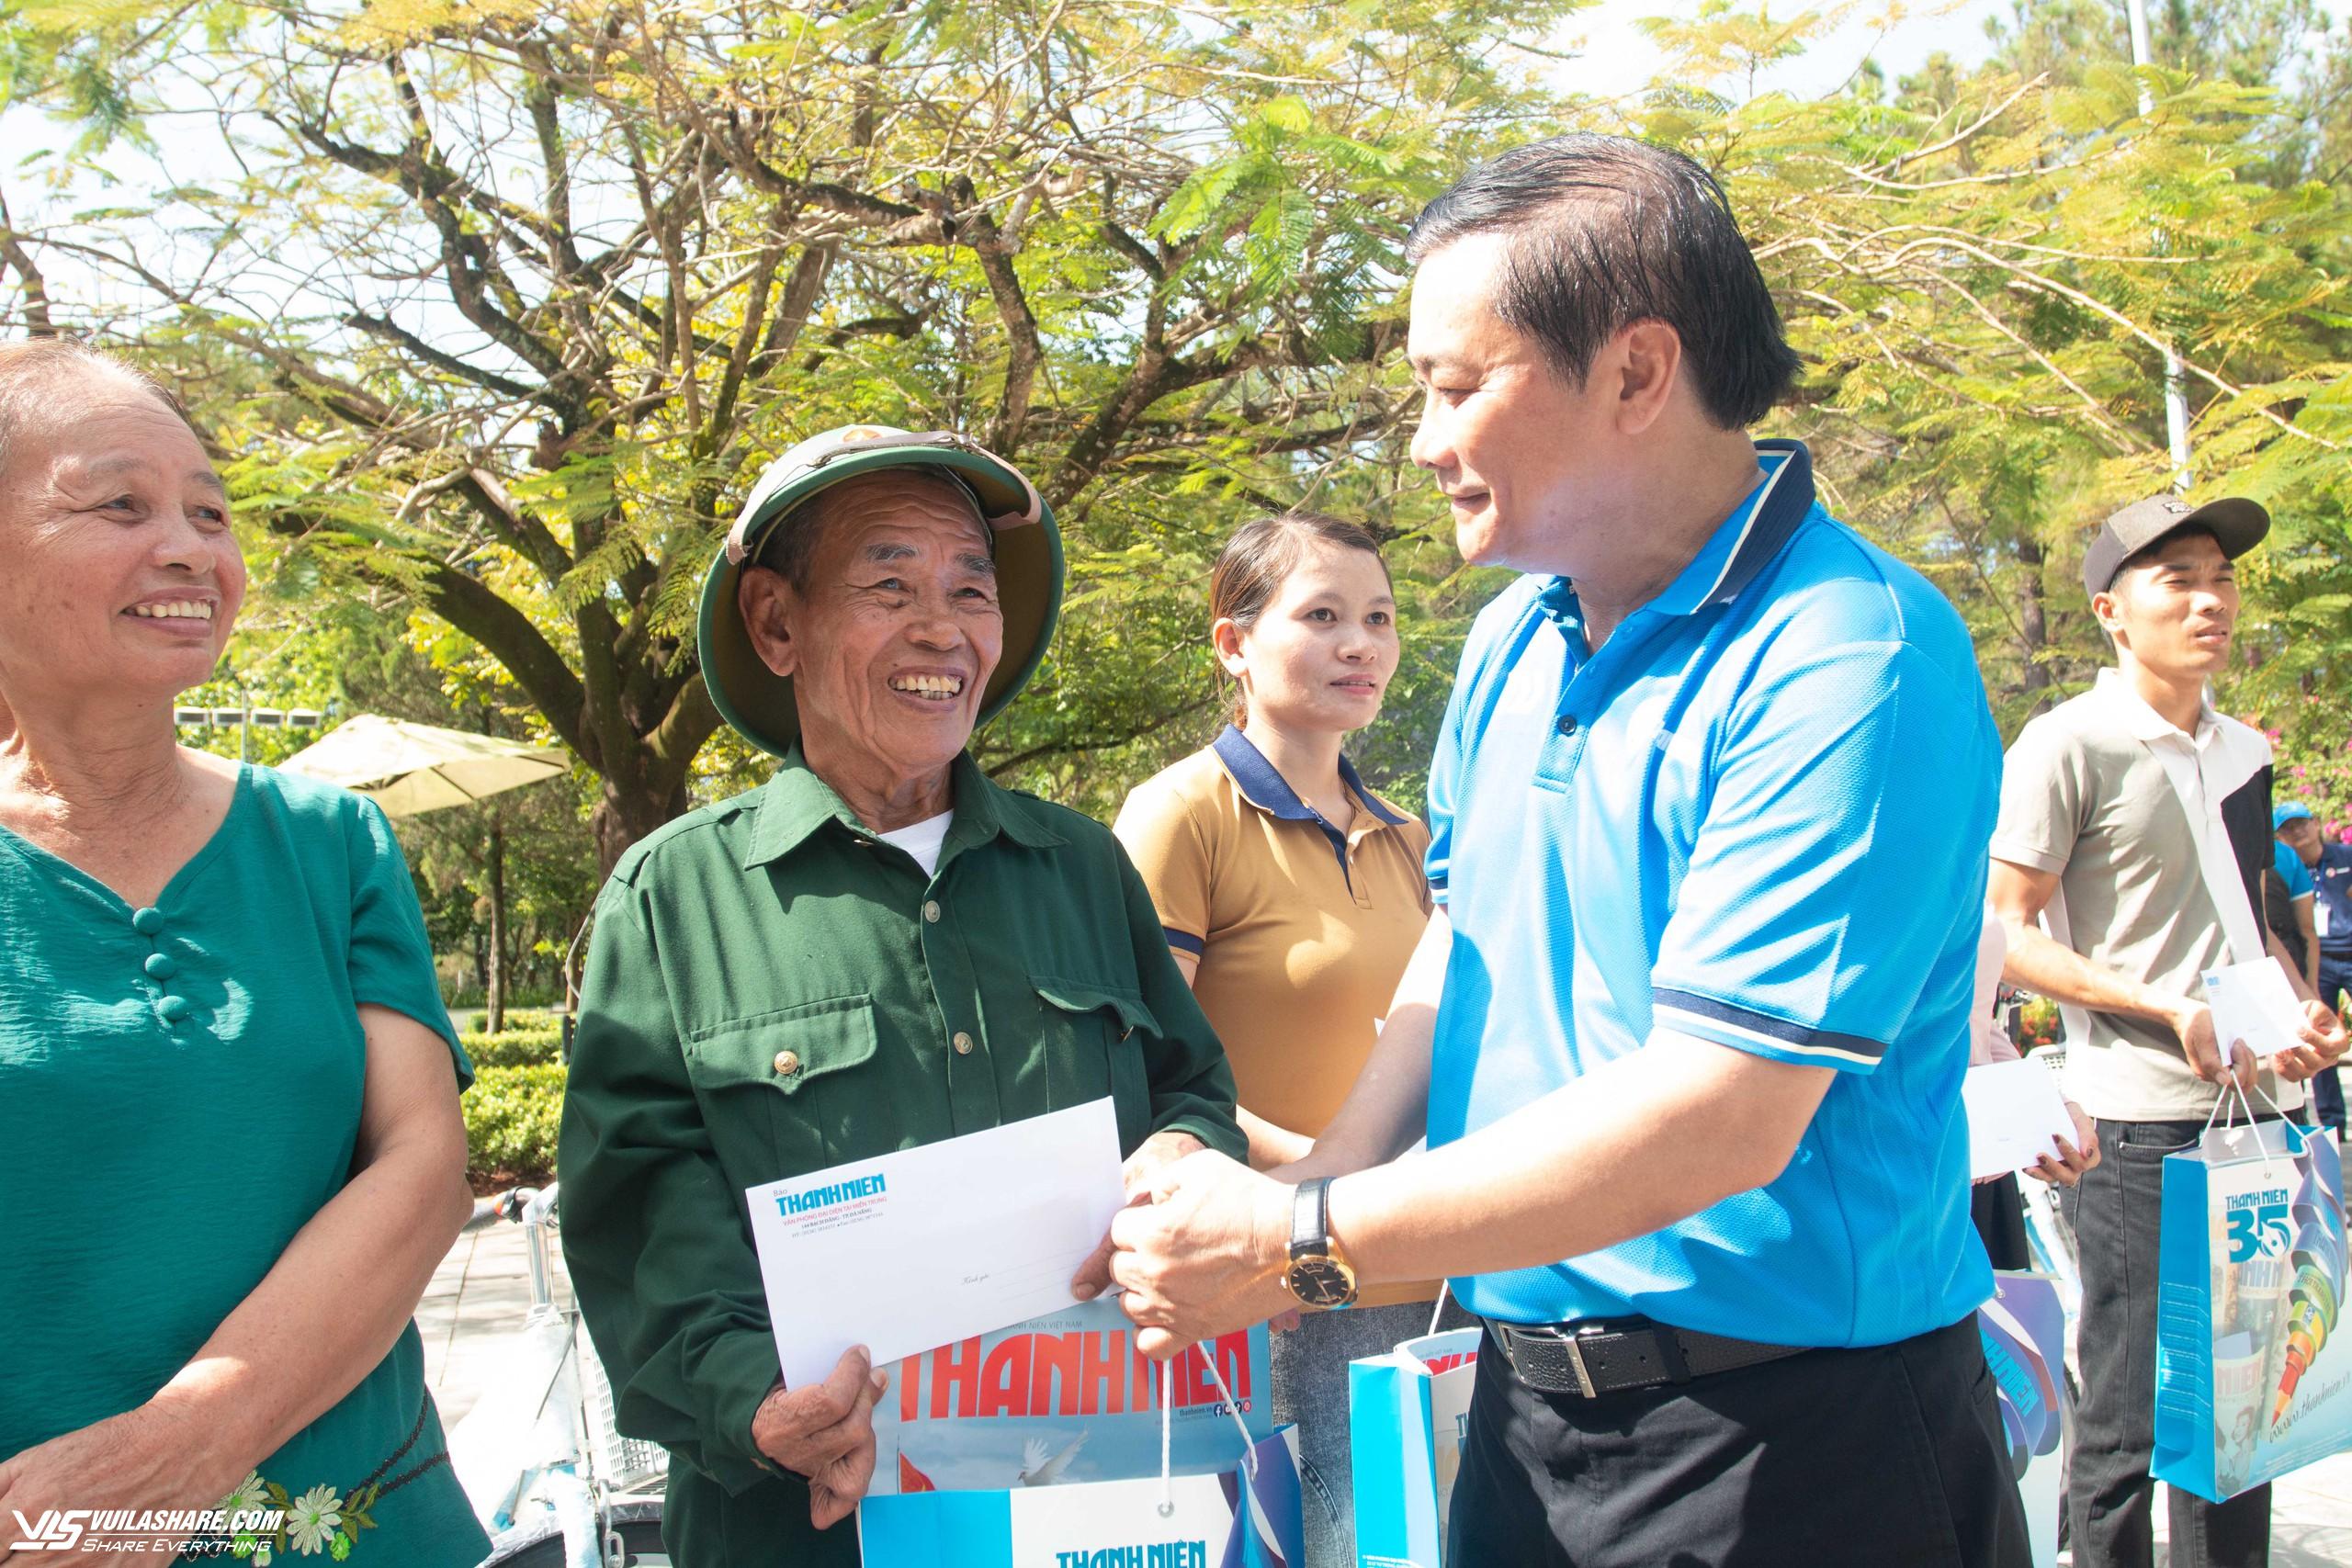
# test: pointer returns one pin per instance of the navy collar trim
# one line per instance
(1766, 521)
(1266, 789)
(1785, 500)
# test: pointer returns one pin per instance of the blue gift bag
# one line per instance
(2253, 1378)
(1240, 1511)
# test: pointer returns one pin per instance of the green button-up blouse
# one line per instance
(770, 989)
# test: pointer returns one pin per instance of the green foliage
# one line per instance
(1152, 257)
(513, 1117)
(519, 1018)
(526, 1046)
(1982, 269)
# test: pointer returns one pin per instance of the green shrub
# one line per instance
(521, 1018)
(465, 993)
(512, 1116)
(525, 1047)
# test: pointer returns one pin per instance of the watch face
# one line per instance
(1321, 1281)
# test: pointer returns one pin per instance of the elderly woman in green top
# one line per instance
(230, 1148)
(878, 948)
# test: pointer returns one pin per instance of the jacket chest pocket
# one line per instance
(772, 1085)
(1093, 1036)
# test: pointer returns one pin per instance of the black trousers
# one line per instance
(1833, 1458)
(2110, 1498)
(1997, 1210)
(2327, 1088)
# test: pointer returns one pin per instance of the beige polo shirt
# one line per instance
(1302, 931)
(2159, 839)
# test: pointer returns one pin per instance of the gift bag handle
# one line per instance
(2232, 1087)
(1167, 1430)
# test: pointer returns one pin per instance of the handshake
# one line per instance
(1199, 1250)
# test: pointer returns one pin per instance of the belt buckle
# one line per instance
(1575, 1359)
(1566, 1338)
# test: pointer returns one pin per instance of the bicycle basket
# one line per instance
(621, 1462)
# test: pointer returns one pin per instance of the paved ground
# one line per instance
(2310, 1516)
(478, 1297)
(482, 1288)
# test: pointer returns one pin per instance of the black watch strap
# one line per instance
(1310, 1229)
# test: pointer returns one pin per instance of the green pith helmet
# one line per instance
(757, 701)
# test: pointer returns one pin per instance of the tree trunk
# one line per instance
(631, 809)
(494, 991)
(2033, 624)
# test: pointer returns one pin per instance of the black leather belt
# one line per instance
(1595, 1358)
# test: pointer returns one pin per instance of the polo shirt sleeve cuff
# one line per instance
(1761, 1035)
(2017, 852)
(1184, 941)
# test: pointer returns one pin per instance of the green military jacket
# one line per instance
(770, 990)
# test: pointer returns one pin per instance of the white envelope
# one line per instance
(2254, 1002)
(2014, 1111)
(929, 1245)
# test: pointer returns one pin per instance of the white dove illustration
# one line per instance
(1036, 1469)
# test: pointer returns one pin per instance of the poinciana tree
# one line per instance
(1983, 269)
(494, 306)
(525, 293)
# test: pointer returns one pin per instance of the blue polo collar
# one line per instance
(1266, 789)
(1737, 549)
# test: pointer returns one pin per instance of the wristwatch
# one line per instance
(1319, 1275)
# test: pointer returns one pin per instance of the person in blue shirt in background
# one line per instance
(1709, 820)
(2317, 879)
(2287, 896)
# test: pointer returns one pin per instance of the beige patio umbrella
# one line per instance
(410, 768)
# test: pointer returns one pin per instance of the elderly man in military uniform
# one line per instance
(877, 948)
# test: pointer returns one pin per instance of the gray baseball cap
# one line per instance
(2236, 523)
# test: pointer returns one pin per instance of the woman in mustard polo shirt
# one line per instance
(1292, 897)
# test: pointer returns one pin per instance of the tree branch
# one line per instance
(36, 292)
(472, 606)
(692, 718)
(515, 528)
(995, 252)
(489, 381)
(1098, 743)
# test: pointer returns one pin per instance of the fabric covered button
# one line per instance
(963, 1043)
(787, 1063)
(148, 921)
(173, 1009)
(159, 966)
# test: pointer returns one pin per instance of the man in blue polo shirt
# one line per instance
(1709, 818)
(2323, 900)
